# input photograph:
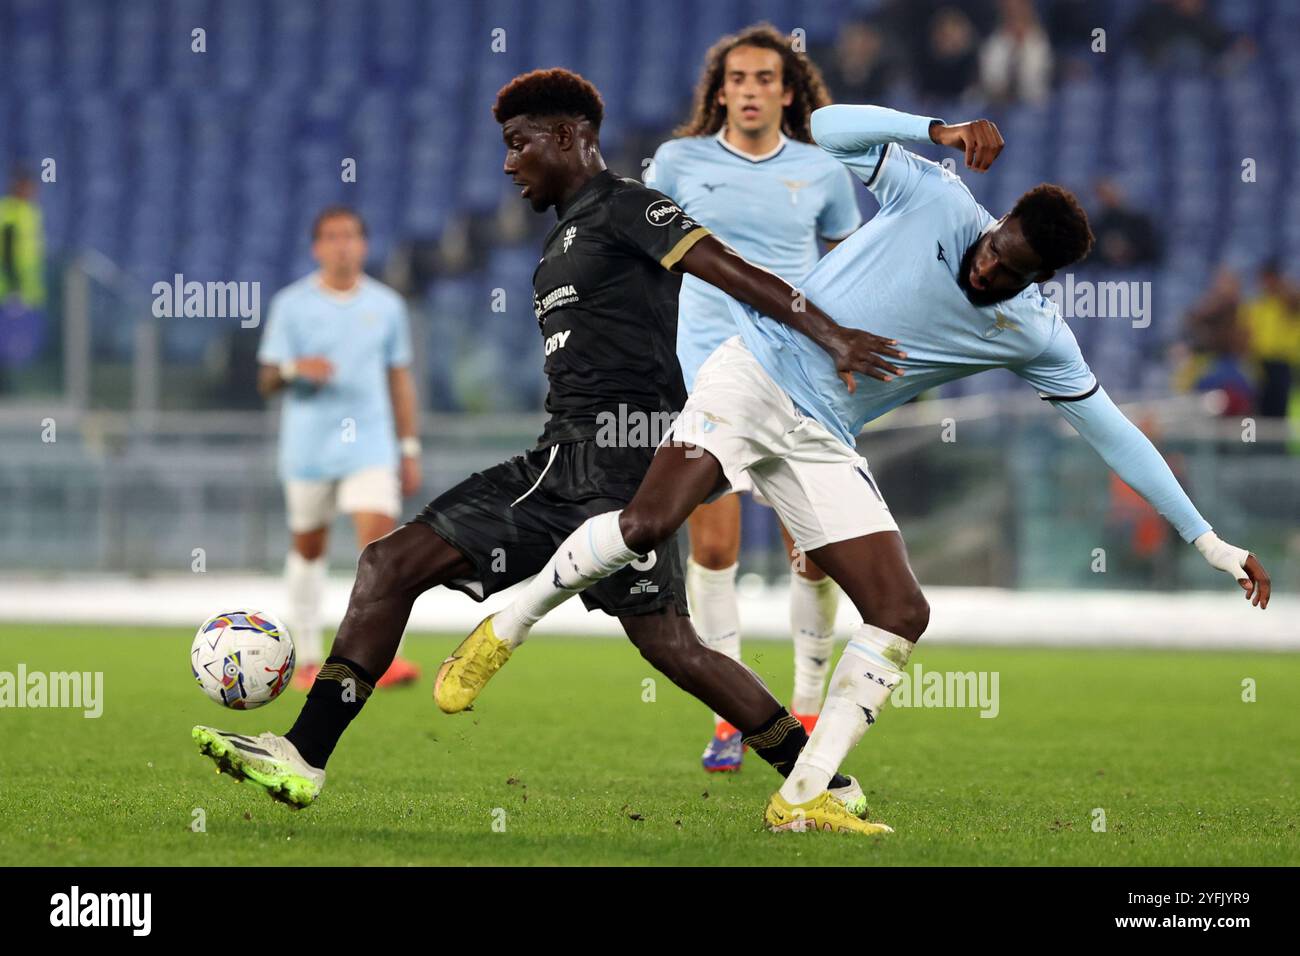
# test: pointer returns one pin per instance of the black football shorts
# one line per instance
(509, 519)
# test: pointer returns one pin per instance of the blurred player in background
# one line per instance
(339, 343)
(23, 326)
(745, 164)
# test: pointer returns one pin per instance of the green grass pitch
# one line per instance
(565, 762)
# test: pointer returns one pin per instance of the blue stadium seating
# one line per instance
(213, 164)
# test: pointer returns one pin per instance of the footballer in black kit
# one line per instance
(606, 304)
(606, 301)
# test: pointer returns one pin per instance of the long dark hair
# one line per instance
(797, 73)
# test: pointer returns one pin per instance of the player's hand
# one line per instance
(856, 351)
(1258, 587)
(410, 476)
(1241, 564)
(316, 369)
(978, 139)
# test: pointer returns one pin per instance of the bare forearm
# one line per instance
(269, 380)
(764, 291)
(404, 408)
(852, 350)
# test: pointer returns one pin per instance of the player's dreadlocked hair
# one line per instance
(1054, 224)
(797, 73)
(555, 92)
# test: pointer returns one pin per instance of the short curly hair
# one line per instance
(554, 92)
(1054, 224)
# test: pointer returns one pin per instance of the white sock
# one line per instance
(715, 612)
(812, 623)
(305, 581)
(594, 551)
(868, 671)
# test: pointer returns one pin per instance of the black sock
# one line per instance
(340, 691)
(779, 741)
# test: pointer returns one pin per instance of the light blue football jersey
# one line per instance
(897, 277)
(336, 429)
(771, 209)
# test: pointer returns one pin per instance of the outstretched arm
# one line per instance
(1132, 456)
(852, 134)
(852, 349)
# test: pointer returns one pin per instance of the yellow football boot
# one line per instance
(822, 813)
(464, 674)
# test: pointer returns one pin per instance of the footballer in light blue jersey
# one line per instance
(772, 209)
(745, 163)
(910, 274)
(335, 429)
(337, 343)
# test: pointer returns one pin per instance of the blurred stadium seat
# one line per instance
(167, 155)
(214, 164)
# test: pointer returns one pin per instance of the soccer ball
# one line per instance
(242, 659)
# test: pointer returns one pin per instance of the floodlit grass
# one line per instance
(564, 762)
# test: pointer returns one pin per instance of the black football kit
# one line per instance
(606, 304)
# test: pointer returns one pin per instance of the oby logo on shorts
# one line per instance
(661, 212)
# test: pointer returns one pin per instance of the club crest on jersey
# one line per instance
(711, 421)
(568, 237)
(661, 212)
(1000, 324)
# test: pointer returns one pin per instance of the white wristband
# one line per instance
(1221, 555)
(410, 447)
(288, 370)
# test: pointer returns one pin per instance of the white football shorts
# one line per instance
(821, 488)
(313, 504)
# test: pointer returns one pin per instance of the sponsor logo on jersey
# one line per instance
(661, 212)
(568, 237)
(712, 186)
(564, 295)
(557, 341)
(794, 185)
